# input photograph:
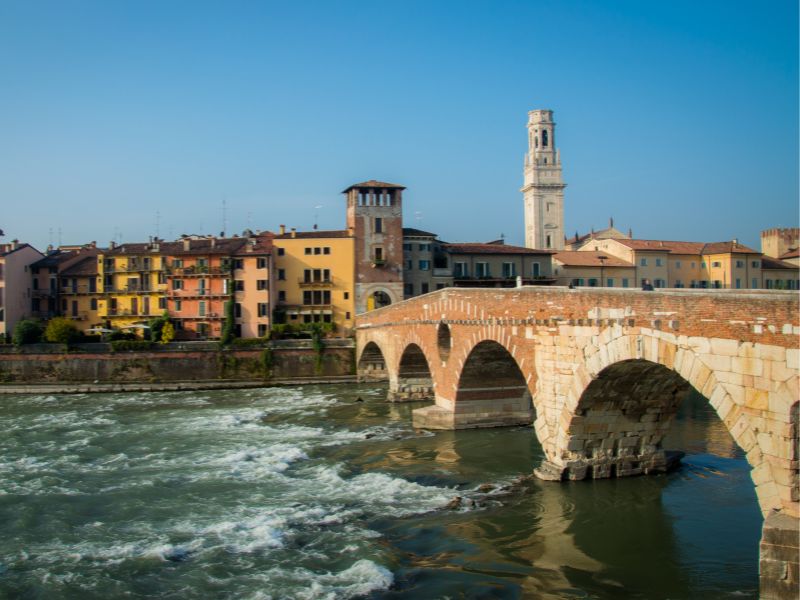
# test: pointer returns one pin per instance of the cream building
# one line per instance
(15, 283)
(592, 269)
(543, 188)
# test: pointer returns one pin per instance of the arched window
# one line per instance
(544, 138)
(536, 141)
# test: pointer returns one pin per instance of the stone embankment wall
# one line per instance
(280, 361)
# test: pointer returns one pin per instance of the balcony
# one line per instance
(209, 316)
(203, 293)
(303, 282)
(378, 262)
(195, 271)
(137, 268)
(131, 290)
(437, 272)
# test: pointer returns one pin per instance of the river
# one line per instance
(328, 492)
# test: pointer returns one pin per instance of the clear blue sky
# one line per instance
(679, 118)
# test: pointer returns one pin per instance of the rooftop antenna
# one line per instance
(316, 214)
(158, 222)
(249, 219)
(59, 237)
(224, 216)
(50, 237)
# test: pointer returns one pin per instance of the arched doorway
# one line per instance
(378, 299)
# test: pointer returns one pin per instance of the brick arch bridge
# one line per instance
(600, 373)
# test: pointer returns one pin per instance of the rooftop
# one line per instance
(589, 258)
(480, 248)
(411, 232)
(768, 262)
(335, 233)
(372, 183)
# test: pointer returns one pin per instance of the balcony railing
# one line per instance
(132, 290)
(209, 316)
(203, 293)
(303, 282)
(195, 271)
(442, 272)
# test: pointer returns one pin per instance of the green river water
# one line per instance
(328, 492)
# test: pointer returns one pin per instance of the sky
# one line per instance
(122, 120)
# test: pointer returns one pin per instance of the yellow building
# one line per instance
(133, 281)
(81, 292)
(314, 277)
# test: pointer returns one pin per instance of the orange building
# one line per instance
(252, 287)
(199, 284)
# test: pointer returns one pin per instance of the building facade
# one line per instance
(543, 187)
(314, 278)
(253, 281)
(15, 283)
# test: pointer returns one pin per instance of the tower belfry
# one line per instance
(543, 188)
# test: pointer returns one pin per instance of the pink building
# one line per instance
(15, 283)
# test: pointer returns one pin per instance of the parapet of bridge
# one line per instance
(600, 374)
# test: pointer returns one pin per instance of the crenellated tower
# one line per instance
(543, 189)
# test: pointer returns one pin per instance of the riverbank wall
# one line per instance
(192, 365)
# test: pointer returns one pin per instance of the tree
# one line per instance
(167, 333)
(227, 327)
(27, 331)
(157, 327)
(60, 330)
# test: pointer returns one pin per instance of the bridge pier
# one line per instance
(410, 389)
(492, 411)
(779, 564)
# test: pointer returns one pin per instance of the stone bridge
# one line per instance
(600, 374)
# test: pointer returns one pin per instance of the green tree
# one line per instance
(61, 330)
(157, 326)
(27, 331)
(167, 333)
(227, 328)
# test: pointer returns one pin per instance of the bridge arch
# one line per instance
(372, 363)
(625, 394)
(413, 380)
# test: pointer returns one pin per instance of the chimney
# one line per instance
(735, 242)
(93, 244)
(294, 232)
(630, 233)
(187, 244)
(213, 242)
(283, 230)
(610, 222)
(112, 244)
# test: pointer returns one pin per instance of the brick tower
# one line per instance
(375, 218)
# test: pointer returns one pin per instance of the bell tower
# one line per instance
(543, 188)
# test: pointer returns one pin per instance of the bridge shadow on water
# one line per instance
(691, 533)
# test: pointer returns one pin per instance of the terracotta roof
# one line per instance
(589, 258)
(133, 248)
(728, 247)
(478, 248)
(774, 263)
(85, 266)
(793, 253)
(372, 183)
(336, 233)
(5, 249)
(664, 246)
(411, 232)
(260, 244)
(203, 247)
(53, 259)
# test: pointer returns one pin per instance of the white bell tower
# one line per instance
(543, 190)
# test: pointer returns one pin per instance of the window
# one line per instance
(317, 250)
(263, 309)
(536, 269)
(407, 247)
(347, 295)
(578, 281)
(177, 284)
(378, 254)
(509, 269)
(202, 262)
(424, 265)
(238, 263)
(281, 251)
(717, 284)
(347, 315)
(262, 330)
(282, 274)
(738, 283)
(178, 305)
(237, 310)
(378, 225)
(326, 250)
(93, 284)
(544, 138)
(281, 296)
(162, 303)
(659, 283)
(548, 242)
(592, 282)
(642, 262)
(677, 264)
(659, 262)
(768, 284)
(93, 303)
(703, 265)
(409, 265)
(238, 285)
(201, 308)
(755, 264)
(716, 264)
(261, 263)
(425, 288)
(678, 283)
(177, 263)
(440, 286)
(739, 264)
(481, 269)
(610, 282)
(408, 290)
(262, 284)
(424, 247)
(460, 269)
(754, 283)
(307, 250)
